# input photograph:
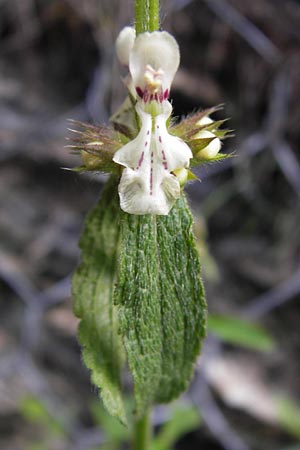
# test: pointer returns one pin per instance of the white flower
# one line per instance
(153, 62)
(147, 184)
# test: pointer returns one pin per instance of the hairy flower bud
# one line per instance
(124, 44)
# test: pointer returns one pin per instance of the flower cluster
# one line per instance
(153, 155)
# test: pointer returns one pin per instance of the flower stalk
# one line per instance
(142, 433)
(146, 15)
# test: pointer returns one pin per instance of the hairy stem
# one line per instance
(142, 433)
(146, 15)
(146, 19)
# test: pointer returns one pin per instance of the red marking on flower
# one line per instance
(148, 132)
(159, 138)
(139, 91)
(166, 94)
(165, 163)
(151, 180)
(146, 143)
(140, 160)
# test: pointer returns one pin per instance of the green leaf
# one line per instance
(289, 416)
(35, 411)
(184, 419)
(37, 446)
(237, 331)
(92, 289)
(137, 292)
(161, 303)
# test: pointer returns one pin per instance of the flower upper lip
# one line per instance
(152, 60)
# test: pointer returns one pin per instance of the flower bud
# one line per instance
(206, 120)
(124, 44)
(212, 149)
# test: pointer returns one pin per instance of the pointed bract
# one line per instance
(213, 148)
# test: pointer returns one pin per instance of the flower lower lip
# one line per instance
(148, 185)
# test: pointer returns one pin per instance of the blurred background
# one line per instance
(57, 62)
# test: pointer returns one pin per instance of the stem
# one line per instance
(142, 433)
(154, 15)
(146, 15)
(146, 19)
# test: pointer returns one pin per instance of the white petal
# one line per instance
(147, 186)
(134, 153)
(124, 44)
(135, 197)
(213, 148)
(175, 153)
(160, 51)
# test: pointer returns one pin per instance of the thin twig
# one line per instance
(246, 29)
(213, 417)
(274, 298)
(288, 164)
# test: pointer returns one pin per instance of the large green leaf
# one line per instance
(137, 295)
(161, 303)
(92, 289)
